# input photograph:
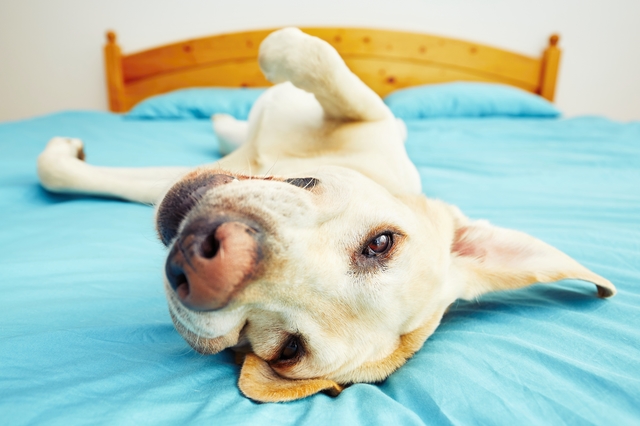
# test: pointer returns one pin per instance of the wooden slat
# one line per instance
(431, 49)
(190, 53)
(385, 76)
(237, 73)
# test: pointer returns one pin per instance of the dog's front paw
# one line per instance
(57, 162)
(291, 55)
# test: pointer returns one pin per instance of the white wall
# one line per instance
(51, 50)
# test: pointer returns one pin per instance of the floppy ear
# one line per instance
(259, 382)
(488, 258)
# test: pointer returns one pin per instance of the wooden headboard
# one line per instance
(384, 60)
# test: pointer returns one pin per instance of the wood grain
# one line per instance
(384, 60)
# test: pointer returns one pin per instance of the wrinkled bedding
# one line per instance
(86, 338)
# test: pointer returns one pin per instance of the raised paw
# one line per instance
(291, 55)
(314, 66)
(56, 164)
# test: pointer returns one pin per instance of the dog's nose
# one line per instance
(208, 265)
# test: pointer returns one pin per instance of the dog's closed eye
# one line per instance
(304, 183)
(290, 352)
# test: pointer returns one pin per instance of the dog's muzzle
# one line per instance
(213, 257)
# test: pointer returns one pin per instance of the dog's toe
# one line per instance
(62, 147)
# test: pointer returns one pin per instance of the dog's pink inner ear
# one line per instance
(495, 247)
(259, 382)
(488, 258)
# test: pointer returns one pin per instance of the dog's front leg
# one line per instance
(311, 64)
(61, 168)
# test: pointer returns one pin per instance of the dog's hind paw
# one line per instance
(231, 133)
(58, 160)
(60, 147)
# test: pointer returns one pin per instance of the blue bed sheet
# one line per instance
(85, 336)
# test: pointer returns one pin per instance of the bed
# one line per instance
(85, 335)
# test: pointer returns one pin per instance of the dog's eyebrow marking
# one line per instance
(304, 183)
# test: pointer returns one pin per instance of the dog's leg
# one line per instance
(61, 169)
(313, 65)
(231, 133)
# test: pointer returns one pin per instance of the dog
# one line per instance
(310, 249)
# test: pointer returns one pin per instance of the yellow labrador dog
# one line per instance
(310, 249)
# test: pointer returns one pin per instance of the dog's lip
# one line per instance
(200, 342)
(182, 314)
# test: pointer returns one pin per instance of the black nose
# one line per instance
(182, 197)
(212, 261)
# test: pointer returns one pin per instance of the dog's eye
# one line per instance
(290, 350)
(380, 244)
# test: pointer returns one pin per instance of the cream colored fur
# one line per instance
(358, 323)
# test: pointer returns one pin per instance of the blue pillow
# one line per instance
(198, 103)
(467, 100)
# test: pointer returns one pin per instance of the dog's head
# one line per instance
(328, 279)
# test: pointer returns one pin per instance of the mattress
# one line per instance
(86, 338)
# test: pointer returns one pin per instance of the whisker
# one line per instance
(216, 165)
(249, 164)
(272, 166)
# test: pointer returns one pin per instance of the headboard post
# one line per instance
(550, 65)
(113, 70)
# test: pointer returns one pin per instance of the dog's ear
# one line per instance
(259, 382)
(487, 258)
